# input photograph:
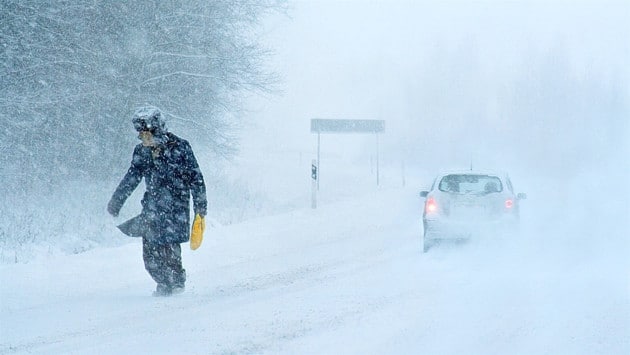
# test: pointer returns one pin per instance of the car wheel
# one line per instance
(426, 241)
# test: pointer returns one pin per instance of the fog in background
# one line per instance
(535, 86)
(538, 89)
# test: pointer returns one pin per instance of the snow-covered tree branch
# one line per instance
(72, 71)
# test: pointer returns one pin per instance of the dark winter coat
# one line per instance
(170, 179)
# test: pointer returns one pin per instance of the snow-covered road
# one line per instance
(345, 278)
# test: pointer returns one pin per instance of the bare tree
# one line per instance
(72, 71)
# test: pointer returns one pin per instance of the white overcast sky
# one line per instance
(417, 64)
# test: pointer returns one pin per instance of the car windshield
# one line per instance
(470, 184)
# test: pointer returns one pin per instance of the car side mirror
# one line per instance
(521, 196)
(424, 193)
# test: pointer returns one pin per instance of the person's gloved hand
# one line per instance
(113, 208)
(196, 235)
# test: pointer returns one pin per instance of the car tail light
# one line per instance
(430, 205)
(509, 203)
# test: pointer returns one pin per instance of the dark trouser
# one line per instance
(164, 263)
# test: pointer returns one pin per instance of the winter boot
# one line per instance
(177, 290)
(162, 290)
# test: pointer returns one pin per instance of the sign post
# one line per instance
(319, 126)
(318, 140)
(377, 172)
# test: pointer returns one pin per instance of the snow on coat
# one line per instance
(171, 177)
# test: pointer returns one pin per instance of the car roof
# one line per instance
(473, 172)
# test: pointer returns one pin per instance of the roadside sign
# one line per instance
(319, 125)
(314, 184)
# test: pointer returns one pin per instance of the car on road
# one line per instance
(460, 204)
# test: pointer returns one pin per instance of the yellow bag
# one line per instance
(196, 235)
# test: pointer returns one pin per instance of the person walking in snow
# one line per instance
(171, 174)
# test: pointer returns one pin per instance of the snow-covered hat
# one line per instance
(149, 118)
